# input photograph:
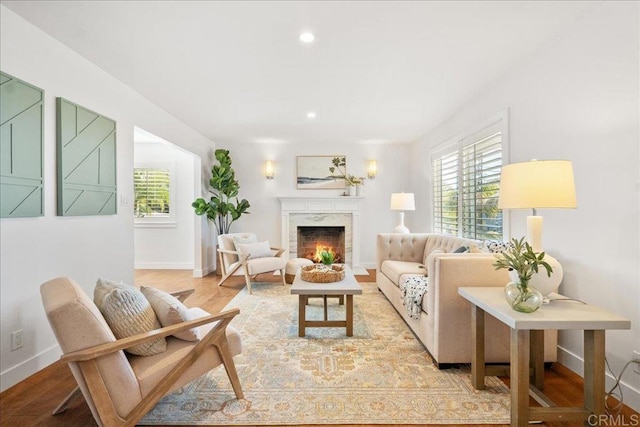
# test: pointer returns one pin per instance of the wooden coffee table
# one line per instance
(348, 286)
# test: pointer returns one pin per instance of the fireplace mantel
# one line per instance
(320, 204)
(293, 208)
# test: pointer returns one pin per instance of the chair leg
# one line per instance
(282, 277)
(226, 276)
(248, 280)
(65, 402)
(227, 360)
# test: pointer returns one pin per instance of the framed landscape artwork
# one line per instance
(313, 173)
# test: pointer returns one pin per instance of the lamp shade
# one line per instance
(537, 184)
(402, 202)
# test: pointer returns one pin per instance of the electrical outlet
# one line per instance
(636, 357)
(16, 339)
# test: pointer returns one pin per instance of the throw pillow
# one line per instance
(128, 313)
(496, 246)
(170, 311)
(255, 250)
(461, 250)
(244, 239)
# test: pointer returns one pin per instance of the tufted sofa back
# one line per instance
(415, 247)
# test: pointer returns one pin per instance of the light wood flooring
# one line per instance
(30, 402)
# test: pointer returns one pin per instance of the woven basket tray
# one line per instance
(316, 274)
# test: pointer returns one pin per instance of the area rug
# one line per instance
(381, 375)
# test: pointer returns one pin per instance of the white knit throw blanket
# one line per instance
(413, 289)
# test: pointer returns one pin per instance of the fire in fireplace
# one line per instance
(313, 239)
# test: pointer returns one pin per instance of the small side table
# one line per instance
(527, 350)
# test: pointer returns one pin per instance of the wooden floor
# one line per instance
(30, 402)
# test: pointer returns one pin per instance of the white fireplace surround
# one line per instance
(322, 211)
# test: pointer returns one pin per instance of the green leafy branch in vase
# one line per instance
(524, 260)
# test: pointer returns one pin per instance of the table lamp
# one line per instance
(402, 202)
(536, 185)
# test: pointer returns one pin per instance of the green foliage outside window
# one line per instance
(151, 192)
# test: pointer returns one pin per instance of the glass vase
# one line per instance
(523, 298)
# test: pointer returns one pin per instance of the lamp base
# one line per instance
(543, 283)
(401, 229)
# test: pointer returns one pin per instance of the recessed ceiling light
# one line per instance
(307, 37)
(311, 115)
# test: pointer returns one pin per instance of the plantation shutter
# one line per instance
(445, 194)
(152, 192)
(466, 184)
(481, 166)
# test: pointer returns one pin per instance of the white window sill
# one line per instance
(151, 224)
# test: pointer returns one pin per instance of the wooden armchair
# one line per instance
(248, 258)
(121, 388)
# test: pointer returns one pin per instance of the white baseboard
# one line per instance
(23, 370)
(204, 272)
(574, 362)
(163, 265)
(368, 265)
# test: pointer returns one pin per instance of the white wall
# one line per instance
(578, 99)
(34, 250)
(248, 162)
(168, 247)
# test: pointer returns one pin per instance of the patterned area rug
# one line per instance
(381, 375)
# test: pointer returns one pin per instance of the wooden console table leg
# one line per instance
(349, 315)
(594, 371)
(536, 354)
(477, 347)
(326, 315)
(302, 302)
(519, 378)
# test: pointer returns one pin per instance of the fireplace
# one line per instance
(342, 212)
(311, 240)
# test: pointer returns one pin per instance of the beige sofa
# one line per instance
(444, 326)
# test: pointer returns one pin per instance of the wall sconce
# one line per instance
(268, 169)
(373, 169)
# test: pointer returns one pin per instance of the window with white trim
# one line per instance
(466, 183)
(154, 193)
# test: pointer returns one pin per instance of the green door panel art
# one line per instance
(86, 161)
(21, 136)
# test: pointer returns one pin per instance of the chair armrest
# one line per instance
(121, 344)
(279, 251)
(183, 294)
(228, 251)
(241, 257)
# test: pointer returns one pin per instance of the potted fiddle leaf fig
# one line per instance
(221, 209)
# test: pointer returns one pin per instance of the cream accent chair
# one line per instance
(121, 388)
(235, 263)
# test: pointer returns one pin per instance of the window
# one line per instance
(153, 194)
(466, 183)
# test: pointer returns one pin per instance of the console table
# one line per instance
(527, 351)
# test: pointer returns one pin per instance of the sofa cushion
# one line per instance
(170, 311)
(152, 369)
(444, 243)
(128, 313)
(260, 265)
(394, 269)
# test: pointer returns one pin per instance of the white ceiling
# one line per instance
(236, 71)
